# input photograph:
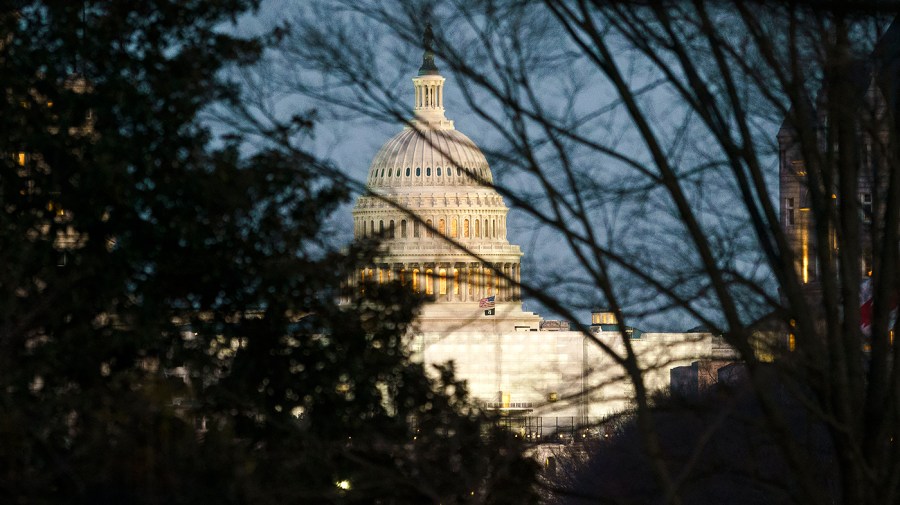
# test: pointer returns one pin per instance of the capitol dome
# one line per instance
(430, 201)
(429, 157)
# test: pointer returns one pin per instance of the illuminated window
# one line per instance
(415, 280)
(454, 228)
(442, 227)
(430, 228)
(20, 159)
(466, 228)
(429, 283)
(380, 276)
(477, 229)
(403, 228)
(442, 281)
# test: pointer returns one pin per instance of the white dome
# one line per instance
(441, 224)
(429, 157)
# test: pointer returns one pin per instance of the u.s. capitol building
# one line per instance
(443, 227)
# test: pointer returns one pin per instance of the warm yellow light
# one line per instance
(343, 484)
(792, 342)
(805, 261)
(21, 159)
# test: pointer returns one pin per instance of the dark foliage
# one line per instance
(719, 445)
(169, 326)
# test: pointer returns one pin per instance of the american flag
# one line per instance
(867, 304)
(486, 303)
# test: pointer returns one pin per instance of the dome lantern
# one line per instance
(429, 90)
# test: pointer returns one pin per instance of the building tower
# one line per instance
(430, 186)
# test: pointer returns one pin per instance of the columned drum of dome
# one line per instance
(443, 182)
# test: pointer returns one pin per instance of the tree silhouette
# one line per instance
(169, 325)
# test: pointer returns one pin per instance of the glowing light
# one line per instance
(343, 484)
(805, 257)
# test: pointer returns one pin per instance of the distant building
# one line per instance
(877, 79)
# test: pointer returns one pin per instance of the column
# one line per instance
(435, 282)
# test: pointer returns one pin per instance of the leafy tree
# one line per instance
(169, 325)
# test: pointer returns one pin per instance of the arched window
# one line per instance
(403, 228)
(415, 229)
(442, 227)
(449, 171)
(442, 281)
(415, 280)
(380, 276)
(381, 227)
(429, 226)
(391, 229)
(428, 171)
(438, 171)
(465, 228)
(459, 172)
(418, 171)
(494, 228)
(407, 171)
(477, 229)
(398, 172)
(429, 284)
(454, 228)
(365, 230)
(382, 172)
(372, 228)
(390, 172)
(487, 231)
